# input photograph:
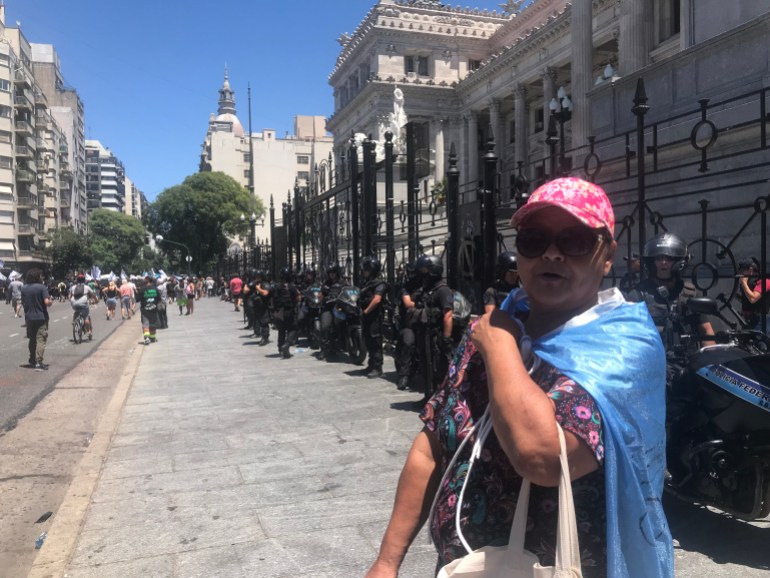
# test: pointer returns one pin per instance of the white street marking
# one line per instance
(14, 334)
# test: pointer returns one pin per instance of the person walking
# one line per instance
(15, 288)
(148, 299)
(162, 306)
(36, 301)
(111, 294)
(126, 298)
(189, 292)
(179, 296)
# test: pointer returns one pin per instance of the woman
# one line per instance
(111, 294)
(189, 292)
(583, 358)
(179, 296)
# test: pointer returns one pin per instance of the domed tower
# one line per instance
(226, 111)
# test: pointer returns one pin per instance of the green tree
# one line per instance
(116, 239)
(202, 212)
(68, 252)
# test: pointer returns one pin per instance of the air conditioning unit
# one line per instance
(411, 75)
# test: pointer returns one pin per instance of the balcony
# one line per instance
(65, 175)
(26, 202)
(22, 126)
(23, 176)
(25, 229)
(64, 149)
(23, 151)
(22, 79)
(43, 189)
(65, 201)
(22, 101)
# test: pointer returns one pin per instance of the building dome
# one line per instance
(231, 118)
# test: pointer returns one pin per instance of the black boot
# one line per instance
(403, 382)
(265, 340)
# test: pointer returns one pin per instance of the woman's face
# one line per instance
(559, 285)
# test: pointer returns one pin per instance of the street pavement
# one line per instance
(21, 387)
(228, 461)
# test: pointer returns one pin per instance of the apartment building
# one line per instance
(105, 178)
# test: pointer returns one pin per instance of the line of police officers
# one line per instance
(423, 321)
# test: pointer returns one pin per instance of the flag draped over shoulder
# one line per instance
(614, 351)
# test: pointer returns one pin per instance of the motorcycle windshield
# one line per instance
(350, 295)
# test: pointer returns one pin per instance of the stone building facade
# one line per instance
(469, 74)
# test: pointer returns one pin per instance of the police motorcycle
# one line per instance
(346, 334)
(312, 306)
(718, 418)
(717, 399)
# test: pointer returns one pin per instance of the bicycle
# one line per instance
(78, 328)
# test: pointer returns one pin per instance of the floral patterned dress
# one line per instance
(492, 491)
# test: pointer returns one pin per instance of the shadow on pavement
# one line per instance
(721, 537)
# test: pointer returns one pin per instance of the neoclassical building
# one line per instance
(469, 74)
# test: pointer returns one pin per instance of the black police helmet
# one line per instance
(334, 268)
(665, 245)
(431, 266)
(285, 274)
(259, 274)
(371, 265)
(506, 261)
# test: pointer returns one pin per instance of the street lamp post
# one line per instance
(188, 258)
(561, 110)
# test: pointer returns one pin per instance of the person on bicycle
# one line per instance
(80, 297)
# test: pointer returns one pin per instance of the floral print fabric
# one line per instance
(490, 496)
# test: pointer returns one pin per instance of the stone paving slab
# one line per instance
(231, 462)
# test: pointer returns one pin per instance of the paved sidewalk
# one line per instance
(229, 461)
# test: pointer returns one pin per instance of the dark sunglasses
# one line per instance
(575, 241)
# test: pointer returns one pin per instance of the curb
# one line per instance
(52, 561)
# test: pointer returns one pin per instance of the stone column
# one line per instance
(462, 147)
(497, 127)
(582, 69)
(520, 116)
(438, 146)
(635, 40)
(686, 39)
(473, 147)
(549, 91)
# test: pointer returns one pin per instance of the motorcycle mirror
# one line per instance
(703, 305)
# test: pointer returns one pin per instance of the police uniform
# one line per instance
(372, 323)
(284, 300)
(434, 350)
(496, 294)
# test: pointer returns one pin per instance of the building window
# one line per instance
(5, 86)
(303, 175)
(473, 64)
(6, 162)
(5, 60)
(246, 158)
(246, 173)
(416, 64)
(303, 160)
(667, 19)
(5, 136)
(5, 111)
(539, 120)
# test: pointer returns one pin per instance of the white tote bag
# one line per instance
(513, 561)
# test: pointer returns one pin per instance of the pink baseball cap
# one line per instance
(586, 201)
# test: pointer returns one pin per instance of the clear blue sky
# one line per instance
(148, 71)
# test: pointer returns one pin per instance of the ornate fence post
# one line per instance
(354, 217)
(272, 237)
(488, 219)
(411, 192)
(640, 109)
(369, 197)
(390, 232)
(452, 196)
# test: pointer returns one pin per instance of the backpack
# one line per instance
(79, 291)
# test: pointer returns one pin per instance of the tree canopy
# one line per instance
(68, 252)
(201, 213)
(116, 239)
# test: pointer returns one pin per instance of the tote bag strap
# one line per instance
(567, 548)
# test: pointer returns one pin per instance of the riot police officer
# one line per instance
(305, 281)
(284, 297)
(248, 292)
(434, 337)
(259, 292)
(373, 292)
(331, 290)
(408, 318)
(507, 279)
(664, 291)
